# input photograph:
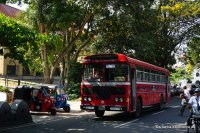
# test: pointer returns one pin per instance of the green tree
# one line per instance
(67, 19)
(193, 52)
(135, 30)
(75, 21)
(179, 74)
(146, 30)
(184, 18)
(18, 38)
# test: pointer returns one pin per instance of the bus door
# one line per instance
(166, 89)
(133, 89)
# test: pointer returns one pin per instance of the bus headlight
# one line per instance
(85, 98)
(89, 99)
(121, 99)
(116, 99)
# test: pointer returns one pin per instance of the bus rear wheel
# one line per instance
(99, 113)
(138, 108)
(161, 105)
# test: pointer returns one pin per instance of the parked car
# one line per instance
(172, 91)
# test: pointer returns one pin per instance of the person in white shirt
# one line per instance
(194, 105)
(185, 98)
(187, 91)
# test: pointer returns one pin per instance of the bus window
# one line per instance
(116, 72)
(153, 77)
(146, 76)
(139, 75)
(93, 72)
(158, 78)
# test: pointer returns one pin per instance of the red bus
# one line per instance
(115, 82)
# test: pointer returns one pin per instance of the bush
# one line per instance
(4, 89)
(74, 91)
(74, 80)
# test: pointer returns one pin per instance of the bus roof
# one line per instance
(122, 58)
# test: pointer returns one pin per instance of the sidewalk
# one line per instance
(74, 105)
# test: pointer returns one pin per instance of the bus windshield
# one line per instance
(106, 72)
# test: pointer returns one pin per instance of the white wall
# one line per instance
(3, 96)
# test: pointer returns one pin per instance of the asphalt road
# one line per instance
(77, 121)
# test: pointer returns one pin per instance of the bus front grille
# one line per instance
(103, 92)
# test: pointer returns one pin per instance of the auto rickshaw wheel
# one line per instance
(53, 112)
(66, 109)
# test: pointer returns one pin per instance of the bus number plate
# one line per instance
(101, 107)
(115, 108)
(89, 107)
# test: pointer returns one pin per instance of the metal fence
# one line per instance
(13, 81)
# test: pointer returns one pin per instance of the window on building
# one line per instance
(11, 70)
(26, 71)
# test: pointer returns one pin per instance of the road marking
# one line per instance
(158, 112)
(126, 123)
(73, 129)
(175, 106)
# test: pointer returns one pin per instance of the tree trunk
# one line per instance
(62, 73)
(44, 57)
(45, 65)
(67, 72)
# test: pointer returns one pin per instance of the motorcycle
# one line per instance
(195, 121)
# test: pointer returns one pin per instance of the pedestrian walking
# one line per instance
(185, 96)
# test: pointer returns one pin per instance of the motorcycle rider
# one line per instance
(194, 105)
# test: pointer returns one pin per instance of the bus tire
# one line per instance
(161, 104)
(138, 108)
(99, 113)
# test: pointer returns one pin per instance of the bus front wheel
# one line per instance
(99, 113)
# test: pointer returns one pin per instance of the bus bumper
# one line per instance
(102, 107)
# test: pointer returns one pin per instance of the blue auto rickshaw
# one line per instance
(60, 97)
